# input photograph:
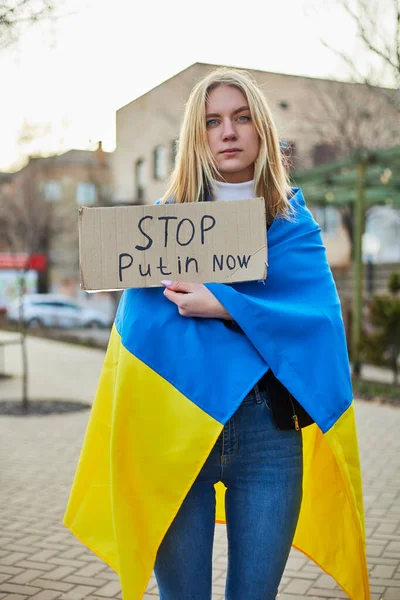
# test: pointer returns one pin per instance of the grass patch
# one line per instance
(60, 334)
(385, 393)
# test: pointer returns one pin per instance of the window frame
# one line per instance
(160, 162)
(140, 179)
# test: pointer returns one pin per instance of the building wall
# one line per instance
(51, 189)
(148, 121)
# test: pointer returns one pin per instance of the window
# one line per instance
(86, 193)
(70, 305)
(52, 191)
(139, 179)
(381, 243)
(160, 163)
(324, 153)
(328, 218)
(366, 115)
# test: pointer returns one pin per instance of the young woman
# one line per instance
(238, 153)
(236, 395)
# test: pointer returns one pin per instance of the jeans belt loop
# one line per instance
(258, 393)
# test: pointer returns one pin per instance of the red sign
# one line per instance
(38, 262)
(22, 260)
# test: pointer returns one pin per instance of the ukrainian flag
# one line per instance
(170, 383)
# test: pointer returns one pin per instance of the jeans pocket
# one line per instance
(267, 401)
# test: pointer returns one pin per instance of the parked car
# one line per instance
(54, 310)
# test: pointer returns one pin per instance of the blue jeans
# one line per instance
(261, 468)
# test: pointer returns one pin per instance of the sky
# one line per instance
(64, 80)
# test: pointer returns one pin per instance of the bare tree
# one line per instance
(349, 117)
(378, 31)
(28, 223)
(18, 15)
(345, 119)
(15, 14)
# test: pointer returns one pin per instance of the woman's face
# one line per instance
(231, 133)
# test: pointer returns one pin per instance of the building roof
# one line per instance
(80, 157)
(73, 157)
(202, 64)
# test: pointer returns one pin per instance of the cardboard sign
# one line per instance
(138, 246)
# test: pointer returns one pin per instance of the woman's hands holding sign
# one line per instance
(194, 300)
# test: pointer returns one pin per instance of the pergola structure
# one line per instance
(337, 183)
(364, 179)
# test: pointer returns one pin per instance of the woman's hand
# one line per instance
(194, 300)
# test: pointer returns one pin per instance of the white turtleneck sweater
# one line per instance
(233, 191)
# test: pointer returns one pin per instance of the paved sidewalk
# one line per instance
(41, 560)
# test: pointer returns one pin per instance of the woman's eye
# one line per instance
(211, 122)
(243, 119)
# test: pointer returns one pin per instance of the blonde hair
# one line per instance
(195, 167)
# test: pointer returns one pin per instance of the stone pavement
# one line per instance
(41, 560)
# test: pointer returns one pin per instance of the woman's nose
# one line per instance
(228, 132)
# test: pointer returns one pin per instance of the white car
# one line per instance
(54, 310)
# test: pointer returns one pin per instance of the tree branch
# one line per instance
(377, 42)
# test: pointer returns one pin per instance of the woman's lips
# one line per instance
(231, 152)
